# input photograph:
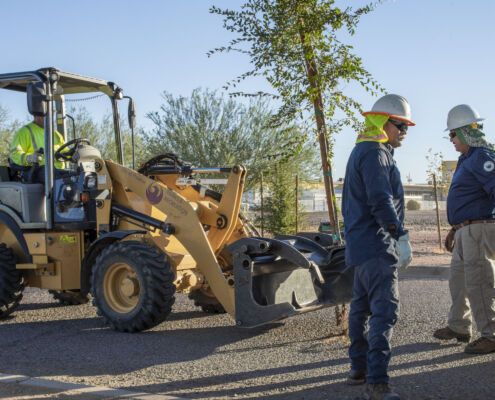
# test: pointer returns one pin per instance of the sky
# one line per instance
(435, 53)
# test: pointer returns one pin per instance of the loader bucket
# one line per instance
(289, 275)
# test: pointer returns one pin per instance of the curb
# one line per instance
(74, 388)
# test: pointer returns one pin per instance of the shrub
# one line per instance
(413, 205)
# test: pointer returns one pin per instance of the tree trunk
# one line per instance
(312, 73)
(297, 201)
(262, 211)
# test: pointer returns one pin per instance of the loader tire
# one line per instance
(69, 297)
(11, 282)
(207, 303)
(132, 286)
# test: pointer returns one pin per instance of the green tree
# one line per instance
(436, 167)
(280, 204)
(208, 129)
(295, 45)
(7, 130)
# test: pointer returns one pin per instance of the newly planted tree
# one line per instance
(441, 179)
(296, 46)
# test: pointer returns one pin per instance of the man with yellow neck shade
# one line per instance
(376, 242)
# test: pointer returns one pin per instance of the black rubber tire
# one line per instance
(11, 282)
(69, 297)
(156, 287)
(207, 303)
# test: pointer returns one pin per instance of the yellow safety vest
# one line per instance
(29, 139)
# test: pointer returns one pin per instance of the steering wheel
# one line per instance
(67, 155)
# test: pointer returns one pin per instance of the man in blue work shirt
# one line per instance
(471, 212)
(376, 242)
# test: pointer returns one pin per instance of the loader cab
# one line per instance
(67, 199)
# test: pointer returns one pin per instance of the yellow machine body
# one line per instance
(134, 238)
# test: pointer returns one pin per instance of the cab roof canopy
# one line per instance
(69, 83)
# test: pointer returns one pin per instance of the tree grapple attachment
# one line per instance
(289, 275)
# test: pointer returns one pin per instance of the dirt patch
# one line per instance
(426, 249)
(423, 235)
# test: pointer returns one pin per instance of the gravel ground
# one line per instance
(198, 356)
(423, 235)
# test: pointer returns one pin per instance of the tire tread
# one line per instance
(158, 279)
(11, 282)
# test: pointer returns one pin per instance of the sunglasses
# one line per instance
(401, 126)
(452, 134)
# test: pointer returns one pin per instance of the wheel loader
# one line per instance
(133, 238)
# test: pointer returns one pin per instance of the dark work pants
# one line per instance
(38, 174)
(374, 312)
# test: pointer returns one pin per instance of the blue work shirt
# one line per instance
(372, 201)
(472, 190)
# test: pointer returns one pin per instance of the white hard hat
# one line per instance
(394, 106)
(462, 115)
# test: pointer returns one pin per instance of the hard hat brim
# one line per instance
(398, 118)
(460, 126)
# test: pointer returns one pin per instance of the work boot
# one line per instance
(356, 377)
(448, 334)
(480, 346)
(380, 391)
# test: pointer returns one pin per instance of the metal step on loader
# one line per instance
(132, 239)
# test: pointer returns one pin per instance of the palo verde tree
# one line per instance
(295, 45)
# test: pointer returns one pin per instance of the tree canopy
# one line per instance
(295, 45)
(285, 39)
(209, 129)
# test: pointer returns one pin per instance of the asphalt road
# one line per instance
(194, 355)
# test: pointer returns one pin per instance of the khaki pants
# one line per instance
(472, 280)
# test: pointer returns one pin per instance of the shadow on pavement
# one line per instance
(85, 347)
(280, 379)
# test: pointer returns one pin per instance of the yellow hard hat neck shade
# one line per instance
(373, 131)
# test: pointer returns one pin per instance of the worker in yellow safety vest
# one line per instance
(27, 147)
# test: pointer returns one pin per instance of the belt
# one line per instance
(473, 221)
